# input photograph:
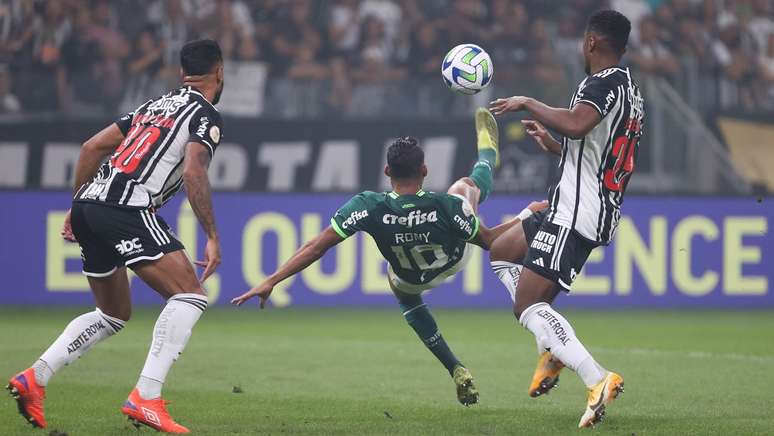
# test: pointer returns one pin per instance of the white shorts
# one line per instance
(411, 288)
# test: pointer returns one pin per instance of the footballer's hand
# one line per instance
(263, 291)
(510, 104)
(537, 206)
(67, 229)
(538, 133)
(211, 258)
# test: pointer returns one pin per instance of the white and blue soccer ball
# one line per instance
(467, 69)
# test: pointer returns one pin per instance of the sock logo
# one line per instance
(556, 326)
(160, 332)
(84, 337)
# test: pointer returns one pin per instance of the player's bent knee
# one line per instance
(122, 313)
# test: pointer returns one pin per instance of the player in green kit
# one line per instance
(422, 235)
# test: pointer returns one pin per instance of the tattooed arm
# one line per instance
(197, 186)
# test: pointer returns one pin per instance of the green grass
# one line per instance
(324, 371)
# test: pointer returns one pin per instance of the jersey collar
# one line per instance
(395, 195)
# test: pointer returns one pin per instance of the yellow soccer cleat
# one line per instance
(487, 134)
(599, 397)
(467, 393)
(546, 375)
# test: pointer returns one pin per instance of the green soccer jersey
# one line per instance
(420, 235)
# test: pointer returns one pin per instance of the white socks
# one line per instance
(509, 274)
(170, 335)
(554, 333)
(77, 338)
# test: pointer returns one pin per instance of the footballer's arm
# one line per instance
(93, 152)
(574, 123)
(308, 254)
(197, 186)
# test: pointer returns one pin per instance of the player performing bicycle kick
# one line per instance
(422, 235)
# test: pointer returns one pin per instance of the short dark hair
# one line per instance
(613, 25)
(405, 158)
(200, 56)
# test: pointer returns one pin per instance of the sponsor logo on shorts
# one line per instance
(83, 338)
(544, 242)
(353, 218)
(556, 326)
(414, 218)
(129, 246)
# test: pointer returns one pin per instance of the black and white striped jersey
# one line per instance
(595, 170)
(146, 169)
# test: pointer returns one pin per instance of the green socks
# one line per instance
(421, 320)
(482, 172)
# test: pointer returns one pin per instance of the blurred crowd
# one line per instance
(369, 57)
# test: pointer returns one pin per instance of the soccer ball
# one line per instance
(467, 69)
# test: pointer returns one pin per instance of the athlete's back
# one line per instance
(420, 235)
(595, 169)
(146, 169)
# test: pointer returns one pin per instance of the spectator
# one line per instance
(9, 104)
(761, 25)
(650, 55)
(143, 68)
(344, 27)
(170, 19)
(766, 72)
(294, 35)
(735, 63)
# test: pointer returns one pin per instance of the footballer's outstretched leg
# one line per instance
(476, 187)
(173, 277)
(420, 319)
(28, 387)
(555, 334)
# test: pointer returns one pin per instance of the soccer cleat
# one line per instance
(29, 397)
(467, 393)
(487, 134)
(599, 397)
(152, 413)
(546, 375)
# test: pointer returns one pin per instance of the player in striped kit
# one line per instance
(166, 143)
(601, 130)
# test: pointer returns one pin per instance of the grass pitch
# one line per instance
(359, 372)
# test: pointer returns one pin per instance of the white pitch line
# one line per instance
(690, 354)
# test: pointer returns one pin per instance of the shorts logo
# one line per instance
(573, 274)
(539, 262)
(132, 246)
(544, 241)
